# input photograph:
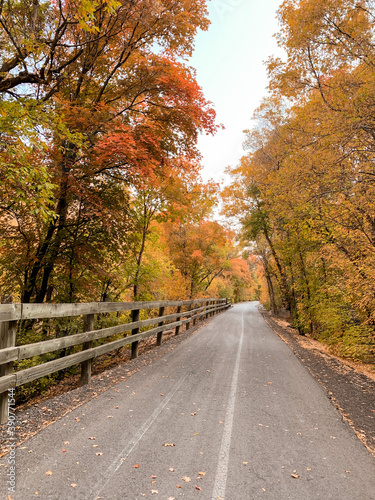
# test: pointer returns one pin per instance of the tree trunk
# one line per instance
(48, 250)
(285, 295)
(271, 291)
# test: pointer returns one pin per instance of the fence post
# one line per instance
(188, 323)
(7, 339)
(135, 318)
(86, 366)
(195, 319)
(160, 334)
(178, 319)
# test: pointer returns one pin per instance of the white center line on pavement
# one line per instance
(222, 467)
(125, 452)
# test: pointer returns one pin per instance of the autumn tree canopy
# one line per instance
(305, 190)
(99, 118)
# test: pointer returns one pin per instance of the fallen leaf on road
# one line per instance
(77, 419)
(202, 473)
(186, 479)
(92, 438)
(136, 466)
(171, 469)
(295, 476)
(73, 485)
(198, 488)
(153, 476)
(49, 473)
(171, 498)
(99, 454)
(154, 492)
(245, 463)
(110, 416)
(66, 442)
(192, 414)
(64, 451)
(179, 486)
(95, 445)
(169, 444)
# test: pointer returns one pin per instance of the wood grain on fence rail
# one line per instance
(14, 312)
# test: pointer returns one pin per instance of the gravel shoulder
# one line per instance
(349, 386)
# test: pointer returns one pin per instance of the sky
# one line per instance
(229, 62)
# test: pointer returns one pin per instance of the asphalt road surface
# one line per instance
(229, 414)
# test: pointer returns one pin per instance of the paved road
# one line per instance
(242, 413)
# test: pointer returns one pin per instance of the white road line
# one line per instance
(222, 467)
(125, 452)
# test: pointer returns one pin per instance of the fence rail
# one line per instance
(11, 314)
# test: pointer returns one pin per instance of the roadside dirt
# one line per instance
(349, 385)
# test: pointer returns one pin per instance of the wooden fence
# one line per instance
(10, 314)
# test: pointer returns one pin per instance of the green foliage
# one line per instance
(25, 180)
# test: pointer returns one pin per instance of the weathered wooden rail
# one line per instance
(10, 314)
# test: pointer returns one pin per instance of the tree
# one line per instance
(170, 198)
(306, 186)
(45, 42)
(123, 111)
(200, 251)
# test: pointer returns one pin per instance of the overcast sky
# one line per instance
(229, 63)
